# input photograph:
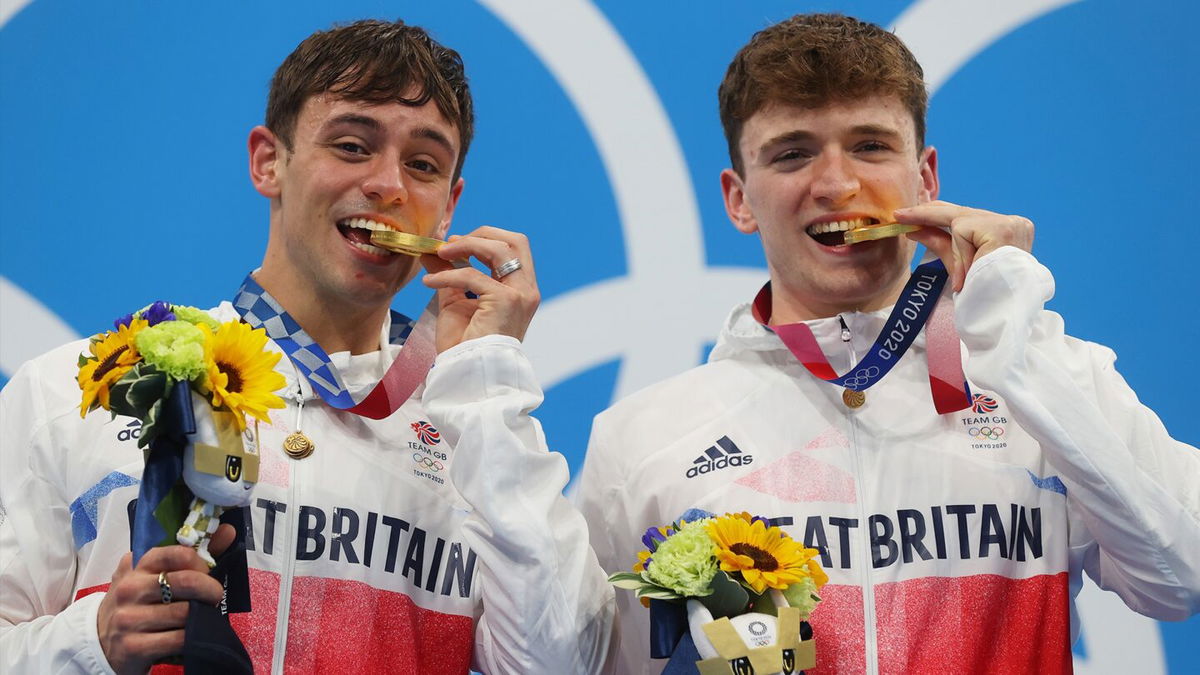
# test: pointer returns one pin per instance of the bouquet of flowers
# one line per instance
(747, 589)
(132, 369)
(192, 382)
(169, 366)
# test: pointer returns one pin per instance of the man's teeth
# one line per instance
(370, 249)
(365, 224)
(838, 226)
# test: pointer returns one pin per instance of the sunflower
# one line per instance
(113, 354)
(241, 375)
(765, 556)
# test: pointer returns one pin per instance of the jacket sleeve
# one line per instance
(41, 629)
(547, 606)
(605, 506)
(1131, 488)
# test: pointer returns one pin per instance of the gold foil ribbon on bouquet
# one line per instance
(769, 659)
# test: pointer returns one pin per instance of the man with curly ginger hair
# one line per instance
(955, 521)
(427, 534)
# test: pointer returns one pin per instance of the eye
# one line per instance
(233, 468)
(872, 146)
(791, 155)
(424, 166)
(350, 148)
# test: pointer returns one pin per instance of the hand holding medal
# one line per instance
(960, 235)
(503, 303)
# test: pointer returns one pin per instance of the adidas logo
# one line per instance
(131, 431)
(720, 456)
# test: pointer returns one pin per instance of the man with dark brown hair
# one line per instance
(955, 519)
(401, 534)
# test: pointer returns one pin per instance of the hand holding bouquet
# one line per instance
(738, 567)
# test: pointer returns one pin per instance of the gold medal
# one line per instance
(878, 232)
(403, 242)
(853, 399)
(298, 446)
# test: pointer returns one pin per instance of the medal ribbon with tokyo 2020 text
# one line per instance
(402, 378)
(922, 303)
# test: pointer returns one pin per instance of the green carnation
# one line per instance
(195, 316)
(174, 347)
(803, 596)
(685, 562)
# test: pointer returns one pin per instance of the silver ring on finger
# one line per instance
(506, 268)
(164, 588)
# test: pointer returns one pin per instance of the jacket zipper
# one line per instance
(283, 609)
(870, 645)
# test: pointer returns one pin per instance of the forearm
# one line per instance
(546, 604)
(41, 629)
(61, 643)
(1128, 481)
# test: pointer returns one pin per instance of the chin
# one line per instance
(864, 294)
(367, 292)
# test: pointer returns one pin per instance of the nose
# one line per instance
(834, 179)
(384, 183)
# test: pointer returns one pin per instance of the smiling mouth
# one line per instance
(834, 233)
(358, 231)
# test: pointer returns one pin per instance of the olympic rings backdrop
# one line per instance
(123, 178)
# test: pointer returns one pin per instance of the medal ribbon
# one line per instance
(921, 304)
(406, 373)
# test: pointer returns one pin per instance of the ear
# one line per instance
(266, 154)
(451, 203)
(733, 189)
(929, 175)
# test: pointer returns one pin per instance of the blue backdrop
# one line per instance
(124, 179)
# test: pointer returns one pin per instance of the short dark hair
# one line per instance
(373, 61)
(812, 60)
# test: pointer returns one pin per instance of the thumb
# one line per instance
(221, 539)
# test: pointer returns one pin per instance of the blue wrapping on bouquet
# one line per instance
(163, 498)
(670, 638)
(210, 644)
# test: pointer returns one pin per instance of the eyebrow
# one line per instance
(435, 136)
(875, 130)
(786, 137)
(355, 118)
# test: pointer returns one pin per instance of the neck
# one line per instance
(791, 305)
(335, 325)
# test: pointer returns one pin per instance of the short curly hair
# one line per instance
(812, 60)
(377, 62)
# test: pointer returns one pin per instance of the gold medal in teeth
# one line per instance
(403, 242)
(873, 232)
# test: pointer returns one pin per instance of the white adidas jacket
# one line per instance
(427, 542)
(954, 543)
